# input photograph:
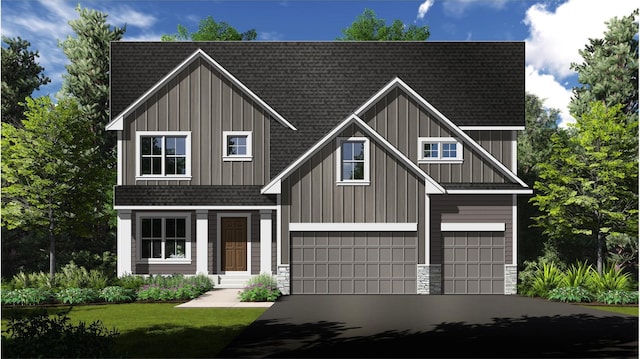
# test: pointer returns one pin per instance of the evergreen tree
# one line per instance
(367, 27)
(609, 71)
(21, 75)
(210, 30)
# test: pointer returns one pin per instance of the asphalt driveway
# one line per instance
(467, 326)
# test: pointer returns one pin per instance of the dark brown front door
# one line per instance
(234, 243)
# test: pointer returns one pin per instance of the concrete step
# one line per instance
(230, 280)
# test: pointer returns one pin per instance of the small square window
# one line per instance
(237, 146)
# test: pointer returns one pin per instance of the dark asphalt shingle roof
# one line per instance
(315, 85)
(192, 196)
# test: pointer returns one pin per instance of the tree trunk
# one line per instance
(600, 249)
(52, 248)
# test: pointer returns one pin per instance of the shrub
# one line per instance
(77, 295)
(39, 335)
(131, 281)
(160, 293)
(72, 276)
(31, 280)
(547, 277)
(261, 288)
(116, 294)
(27, 296)
(577, 275)
(618, 297)
(610, 279)
(570, 294)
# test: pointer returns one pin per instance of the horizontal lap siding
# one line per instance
(401, 120)
(470, 209)
(310, 193)
(199, 99)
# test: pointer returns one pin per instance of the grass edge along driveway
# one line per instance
(159, 330)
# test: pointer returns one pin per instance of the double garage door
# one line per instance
(385, 262)
(354, 262)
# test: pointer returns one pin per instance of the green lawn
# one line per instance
(161, 330)
(610, 308)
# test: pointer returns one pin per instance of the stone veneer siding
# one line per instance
(283, 278)
(510, 279)
(429, 280)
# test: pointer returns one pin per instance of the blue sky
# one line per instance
(553, 30)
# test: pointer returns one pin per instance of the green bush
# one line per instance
(39, 335)
(31, 280)
(618, 297)
(571, 294)
(27, 296)
(547, 277)
(115, 294)
(130, 281)
(77, 295)
(72, 276)
(577, 275)
(156, 292)
(610, 279)
(261, 288)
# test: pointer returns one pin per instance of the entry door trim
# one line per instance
(219, 242)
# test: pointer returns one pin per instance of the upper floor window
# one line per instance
(439, 149)
(353, 160)
(237, 146)
(163, 154)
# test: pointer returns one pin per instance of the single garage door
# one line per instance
(473, 262)
(354, 262)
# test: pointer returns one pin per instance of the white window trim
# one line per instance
(163, 215)
(367, 161)
(226, 156)
(186, 176)
(475, 227)
(353, 227)
(440, 141)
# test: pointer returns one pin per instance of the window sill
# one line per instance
(353, 183)
(440, 161)
(237, 158)
(163, 261)
(163, 178)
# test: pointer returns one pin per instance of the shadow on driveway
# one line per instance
(435, 326)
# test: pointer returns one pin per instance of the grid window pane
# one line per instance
(236, 145)
(449, 150)
(430, 150)
(157, 146)
(163, 235)
(347, 171)
(158, 150)
(353, 160)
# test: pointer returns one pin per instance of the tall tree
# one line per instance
(210, 30)
(21, 75)
(534, 146)
(609, 71)
(367, 27)
(589, 184)
(43, 166)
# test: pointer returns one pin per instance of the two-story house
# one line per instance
(339, 167)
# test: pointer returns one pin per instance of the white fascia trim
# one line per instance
(192, 208)
(118, 123)
(480, 227)
(490, 191)
(354, 227)
(431, 186)
(492, 128)
(398, 82)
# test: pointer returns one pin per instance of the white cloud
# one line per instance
(556, 36)
(270, 36)
(126, 15)
(457, 8)
(424, 7)
(548, 89)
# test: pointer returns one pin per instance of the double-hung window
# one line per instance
(163, 155)
(439, 149)
(352, 165)
(164, 239)
(237, 146)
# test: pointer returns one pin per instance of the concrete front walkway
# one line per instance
(222, 298)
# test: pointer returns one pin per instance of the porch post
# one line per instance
(265, 241)
(202, 241)
(124, 243)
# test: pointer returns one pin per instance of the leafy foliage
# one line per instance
(610, 279)
(72, 276)
(27, 296)
(21, 75)
(571, 294)
(578, 275)
(618, 297)
(39, 335)
(261, 288)
(175, 287)
(547, 277)
(131, 281)
(115, 294)
(623, 251)
(77, 295)
(210, 30)
(367, 27)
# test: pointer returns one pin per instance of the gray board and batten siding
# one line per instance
(401, 120)
(310, 194)
(315, 85)
(201, 100)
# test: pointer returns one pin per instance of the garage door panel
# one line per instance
(355, 262)
(473, 262)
